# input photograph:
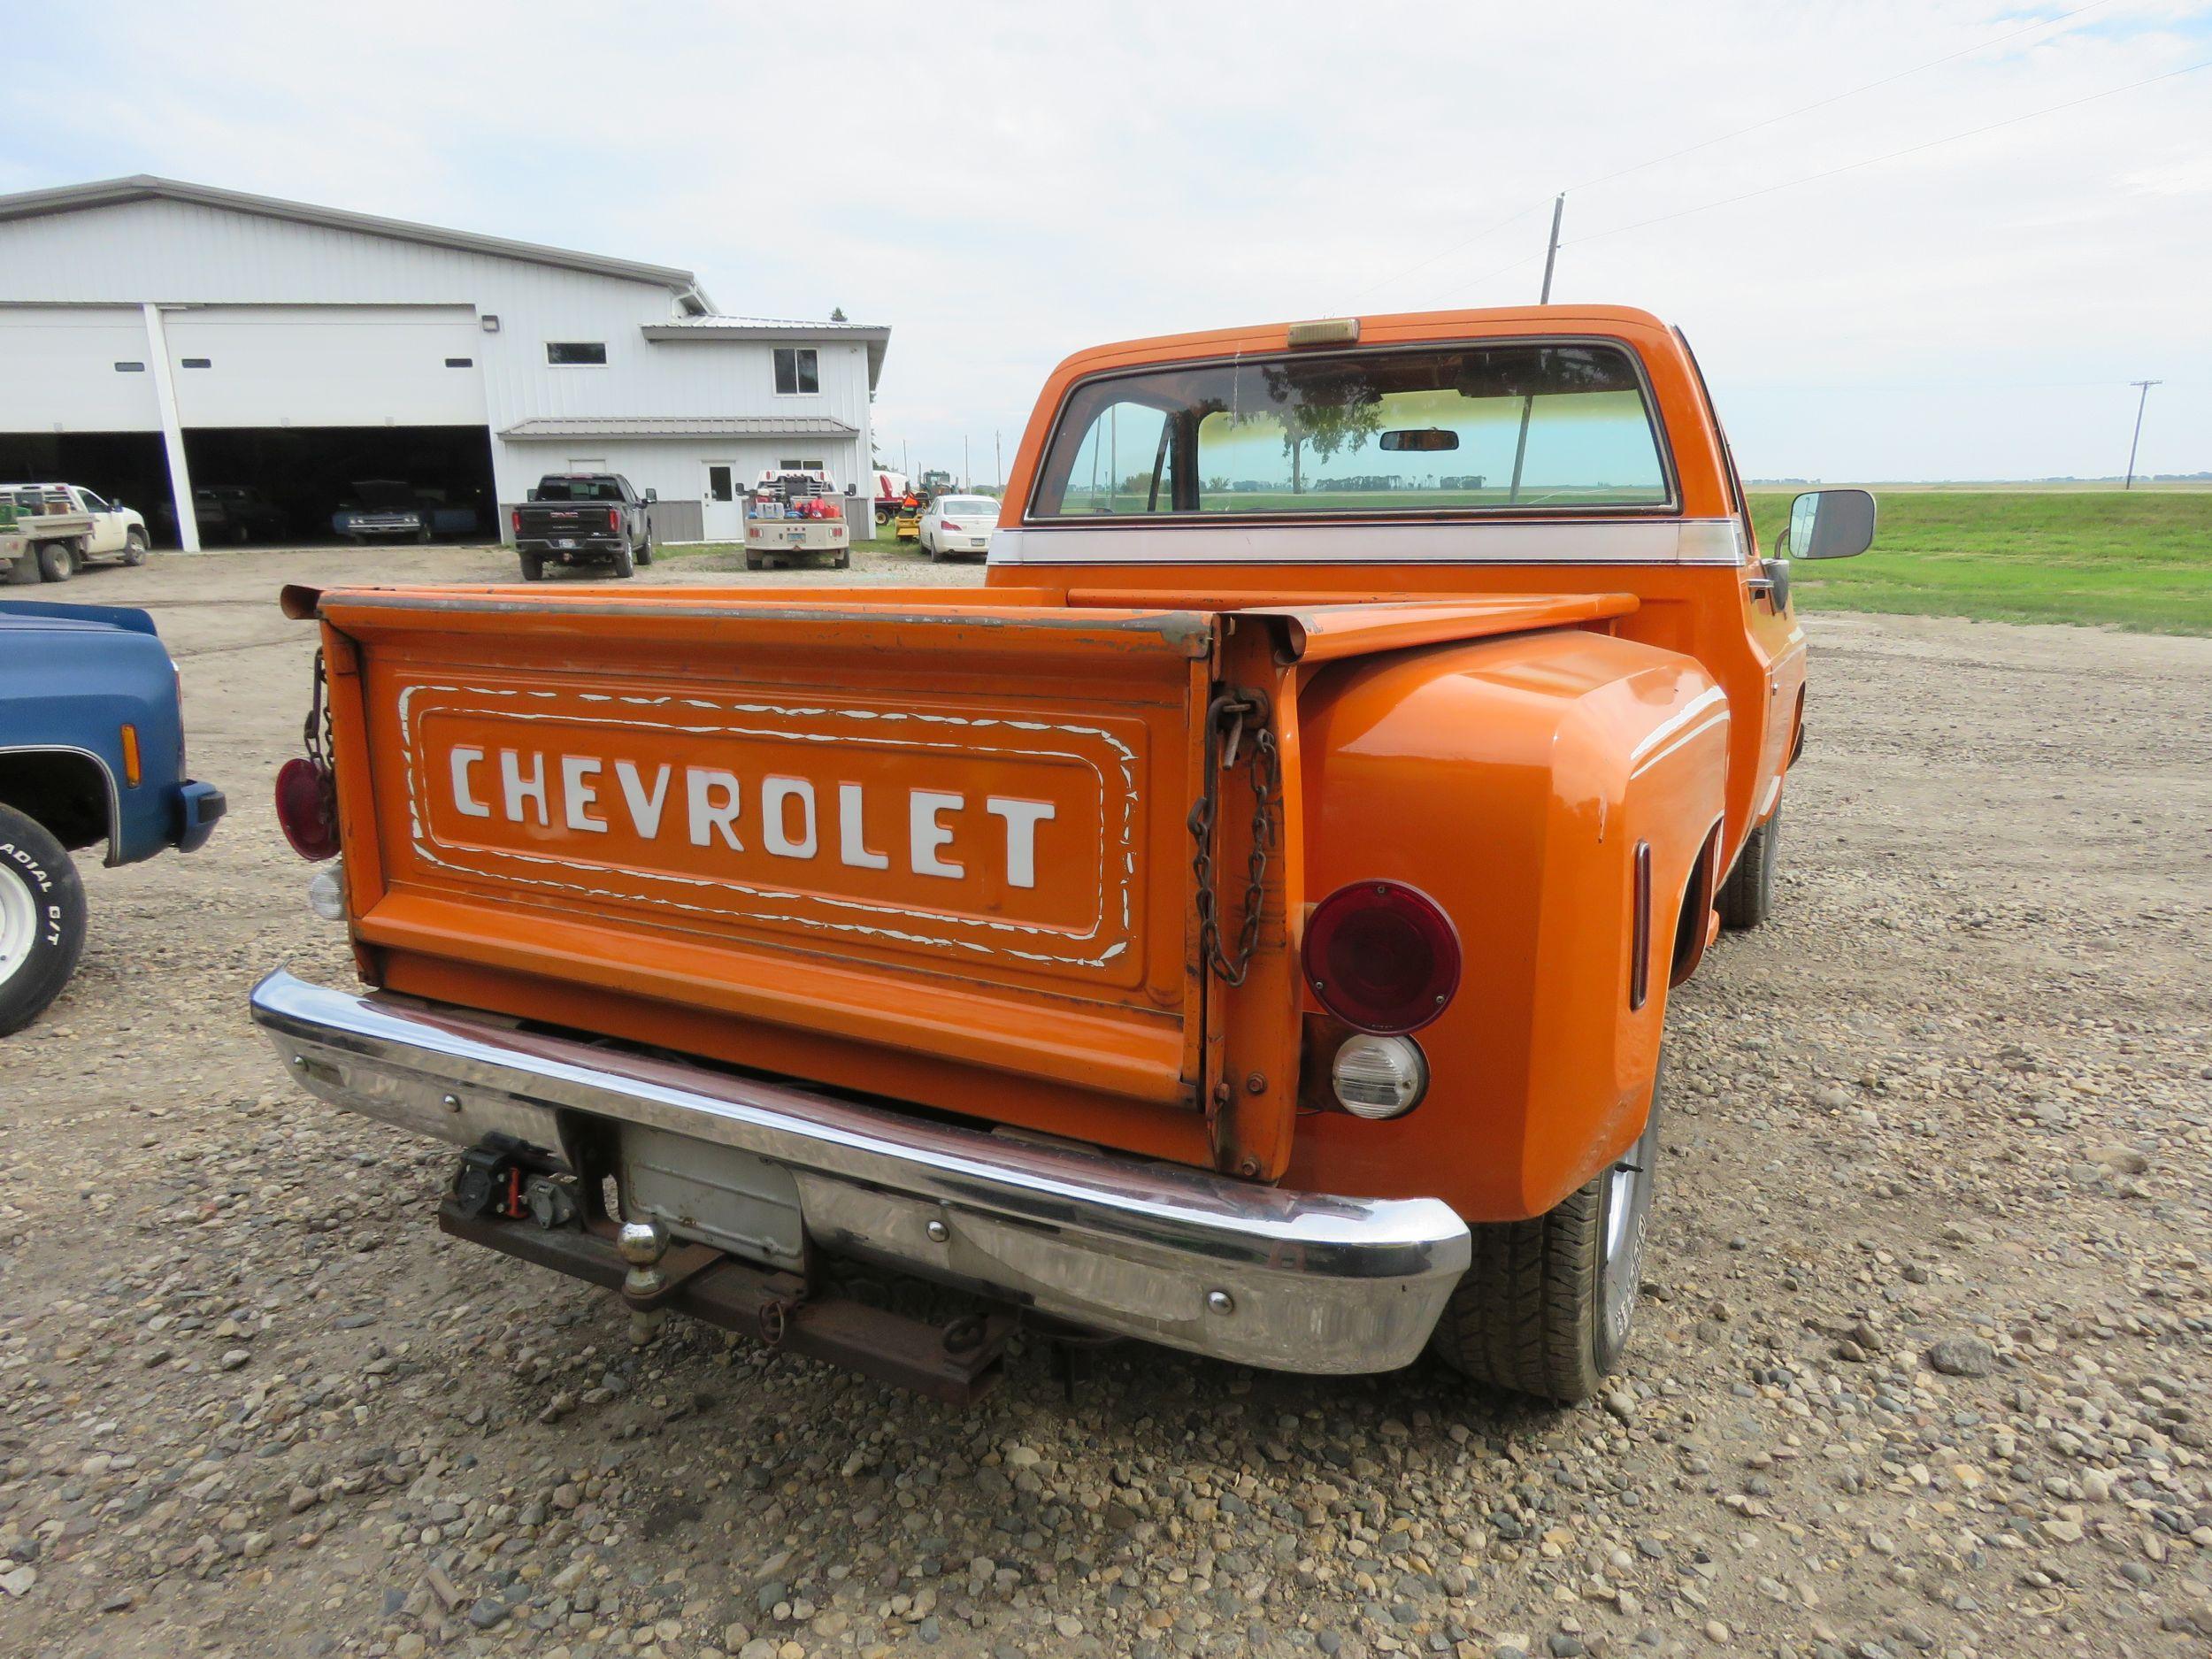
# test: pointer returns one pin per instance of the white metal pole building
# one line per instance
(235, 365)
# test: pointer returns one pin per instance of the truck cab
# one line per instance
(1246, 923)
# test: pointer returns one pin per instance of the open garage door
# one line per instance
(127, 468)
(282, 408)
(287, 408)
(280, 486)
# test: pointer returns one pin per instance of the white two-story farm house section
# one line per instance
(169, 344)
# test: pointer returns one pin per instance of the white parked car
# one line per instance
(118, 532)
(958, 524)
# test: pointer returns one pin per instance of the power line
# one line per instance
(1462, 285)
(1910, 149)
(1460, 247)
(1853, 92)
(1494, 227)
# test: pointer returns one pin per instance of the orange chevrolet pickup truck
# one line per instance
(1245, 923)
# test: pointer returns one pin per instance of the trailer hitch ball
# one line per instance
(642, 1244)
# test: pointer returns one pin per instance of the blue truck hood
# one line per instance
(17, 616)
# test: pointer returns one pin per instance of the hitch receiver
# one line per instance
(957, 1364)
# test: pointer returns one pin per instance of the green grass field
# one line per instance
(2141, 560)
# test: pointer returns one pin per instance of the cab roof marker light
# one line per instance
(1328, 331)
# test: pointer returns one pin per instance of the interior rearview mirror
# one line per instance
(1421, 438)
(1831, 524)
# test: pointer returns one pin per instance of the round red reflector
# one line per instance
(1382, 956)
(307, 808)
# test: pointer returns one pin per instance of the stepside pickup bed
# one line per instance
(1246, 923)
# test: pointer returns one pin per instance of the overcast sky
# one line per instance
(1003, 185)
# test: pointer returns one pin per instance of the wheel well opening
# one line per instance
(65, 794)
(1690, 927)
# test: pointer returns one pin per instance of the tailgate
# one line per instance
(933, 851)
(589, 519)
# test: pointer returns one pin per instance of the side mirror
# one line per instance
(652, 494)
(1829, 523)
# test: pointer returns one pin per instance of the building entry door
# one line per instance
(721, 509)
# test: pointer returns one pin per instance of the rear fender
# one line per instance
(1513, 779)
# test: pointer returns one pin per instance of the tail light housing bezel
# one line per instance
(1376, 915)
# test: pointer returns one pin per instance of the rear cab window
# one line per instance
(579, 489)
(1462, 429)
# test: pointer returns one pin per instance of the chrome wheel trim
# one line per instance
(19, 926)
(1628, 1186)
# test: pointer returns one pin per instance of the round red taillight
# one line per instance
(1382, 956)
(307, 809)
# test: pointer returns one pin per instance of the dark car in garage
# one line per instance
(382, 508)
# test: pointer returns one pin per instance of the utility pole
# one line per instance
(2137, 438)
(998, 463)
(1551, 254)
(967, 478)
(905, 464)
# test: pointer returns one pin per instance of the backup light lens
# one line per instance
(1382, 956)
(327, 894)
(1377, 1078)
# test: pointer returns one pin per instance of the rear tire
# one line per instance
(1547, 1305)
(625, 562)
(42, 919)
(1746, 898)
(57, 560)
(532, 568)
(135, 548)
(645, 553)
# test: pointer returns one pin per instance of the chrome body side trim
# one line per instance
(1519, 541)
(1293, 1281)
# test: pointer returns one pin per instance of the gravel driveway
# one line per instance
(1925, 1369)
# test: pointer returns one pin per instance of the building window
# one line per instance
(814, 465)
(797, 374)
(197, 363)
(720, 483)
(460, 362)
(577, 353)
(130, 368)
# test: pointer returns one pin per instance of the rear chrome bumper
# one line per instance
(1290, 1281)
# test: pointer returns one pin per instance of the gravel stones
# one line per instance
(2008, 988)
(1962, 1356)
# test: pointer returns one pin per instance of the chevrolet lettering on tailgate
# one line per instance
(801, 817)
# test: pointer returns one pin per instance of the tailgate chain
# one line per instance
(1230, 714)
(317, 735)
